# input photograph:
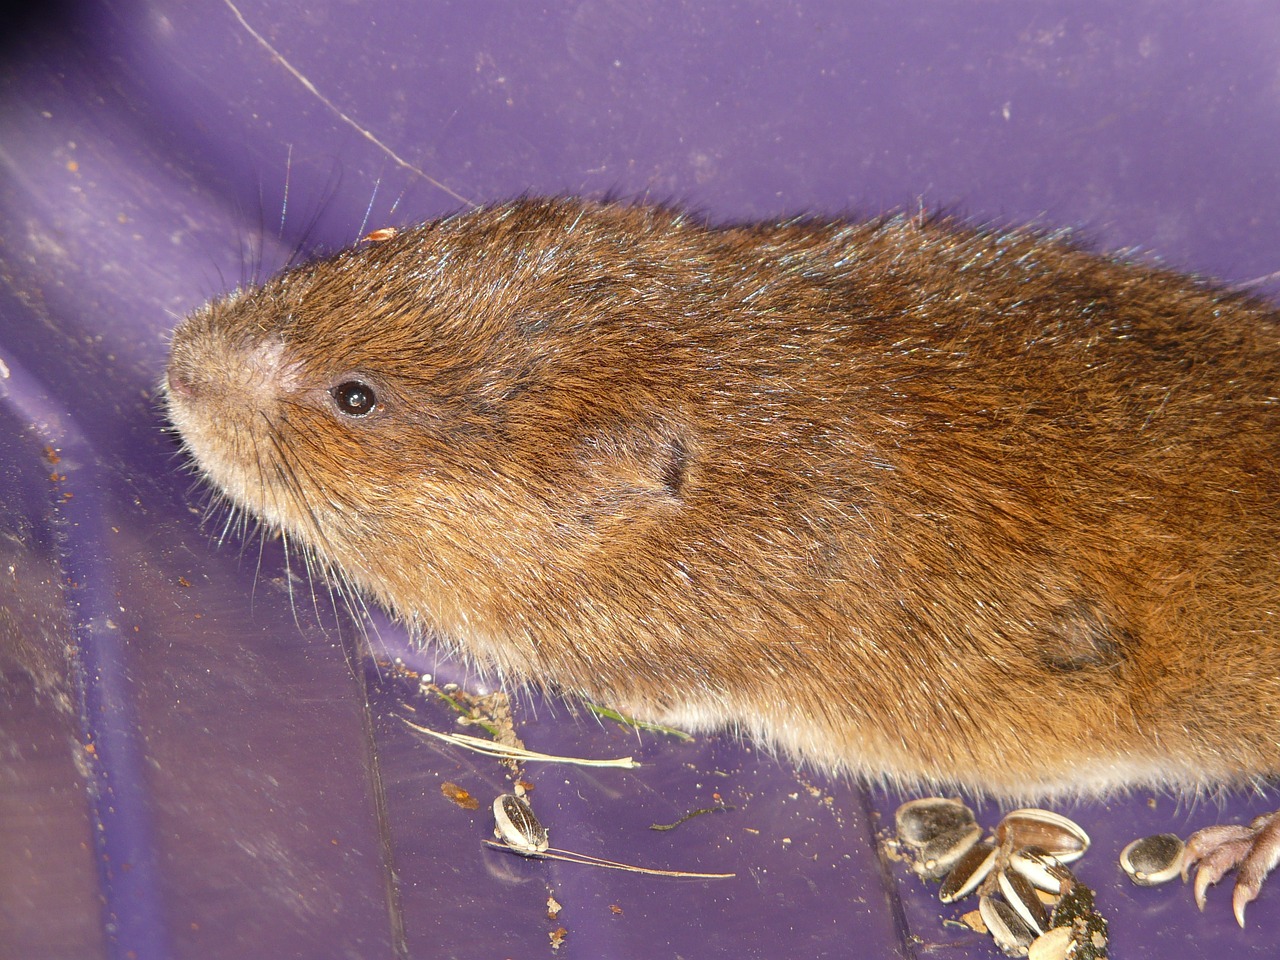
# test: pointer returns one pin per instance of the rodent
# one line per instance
(904, 498)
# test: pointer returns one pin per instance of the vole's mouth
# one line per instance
(172, 386)
(222, 445)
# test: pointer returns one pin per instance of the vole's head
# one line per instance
(453, 400)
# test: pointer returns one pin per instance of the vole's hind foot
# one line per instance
(1254, 849)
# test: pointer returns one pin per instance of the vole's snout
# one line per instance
(251, 376)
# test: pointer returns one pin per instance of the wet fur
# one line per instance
(903, 498)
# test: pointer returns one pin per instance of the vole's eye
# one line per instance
(354, 398)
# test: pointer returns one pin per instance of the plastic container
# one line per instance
(190, 766)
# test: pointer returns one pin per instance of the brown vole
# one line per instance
(903, 498)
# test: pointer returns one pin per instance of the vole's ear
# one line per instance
(1081, 635)
(649, 462)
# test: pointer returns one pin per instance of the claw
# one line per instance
(1216, 850)
(1203, 880)
(1264, 854)
(1240, 899)
(1255, 849)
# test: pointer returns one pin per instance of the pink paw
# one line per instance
(1254, 849)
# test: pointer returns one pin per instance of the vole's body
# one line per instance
(902, 498)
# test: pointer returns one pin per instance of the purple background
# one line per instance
(245, 794)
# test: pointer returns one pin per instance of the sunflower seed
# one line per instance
(969, 871)
(1153, 860)
(1021, 895)
(936, 858)
(1043, 870)
(1049, 831)
(517, 827)
(1006, 927)
(919, 821)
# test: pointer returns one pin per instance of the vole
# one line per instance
(905, 499)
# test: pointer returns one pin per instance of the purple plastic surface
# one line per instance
(188, 765)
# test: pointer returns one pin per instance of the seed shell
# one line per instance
(919, 821)
(1005, 926)
(969, 871)
(1051, 832)
(1042, 870)
(1021, 895)
(516, 825)
(939, 855)
(1153, 860)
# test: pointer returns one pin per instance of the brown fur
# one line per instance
(903, 498)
